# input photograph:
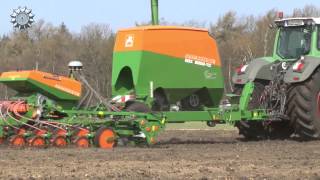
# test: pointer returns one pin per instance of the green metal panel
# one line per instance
(258, 68)
(246, 96)
(178, 78)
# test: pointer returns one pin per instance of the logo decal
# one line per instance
(210, 74)
(129, 41)
(199, 60)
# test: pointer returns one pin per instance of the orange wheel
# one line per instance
(37, 141)
(21, 131)
(2, 140)
(61, 132)
(40, 132)
(81, 132)
(59, 141)
(105, 138)
(82, 142)
(17, 141)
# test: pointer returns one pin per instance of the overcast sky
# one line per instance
(124, 13)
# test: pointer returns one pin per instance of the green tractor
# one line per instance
(287, 84)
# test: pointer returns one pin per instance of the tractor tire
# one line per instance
(304, 107)
(137, 107)
(252, 130)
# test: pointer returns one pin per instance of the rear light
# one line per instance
(241, 69)
(298, 66)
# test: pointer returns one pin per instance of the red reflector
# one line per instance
(296, 78)
(280, 15)
(238, 69)
(239, 80)
(298, 67)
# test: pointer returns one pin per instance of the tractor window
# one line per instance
(294, 42)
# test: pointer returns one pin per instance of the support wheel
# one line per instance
(2, 139)
(81, 132)
(37, 141)
(17, 141)
(82, 142)
(20, 131)
(59, 141)
(61, 132)
(105, 138)
(304, 108)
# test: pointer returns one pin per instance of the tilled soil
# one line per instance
(215, 154)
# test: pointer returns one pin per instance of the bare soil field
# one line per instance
(199, 154)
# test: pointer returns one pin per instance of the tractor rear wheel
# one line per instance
(252, 129)
(304, 108)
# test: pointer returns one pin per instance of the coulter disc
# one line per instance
(59, 141)
(2, 139)
(81, 132)
(61, 132)
(82, 142)
(17, 141)
(37, 141)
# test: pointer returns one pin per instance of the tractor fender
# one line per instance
(310, 65)
(257, 69)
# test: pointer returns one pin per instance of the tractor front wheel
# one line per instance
(252, 129)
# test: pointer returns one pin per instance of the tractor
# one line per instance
(286, 84)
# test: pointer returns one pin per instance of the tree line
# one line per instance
(50, 48)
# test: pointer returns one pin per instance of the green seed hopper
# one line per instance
(170, 64)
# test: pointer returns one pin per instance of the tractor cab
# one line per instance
(296, 37)
(297, 44)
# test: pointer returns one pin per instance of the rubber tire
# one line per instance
(303, 107)
(137, 107)
(252, 130)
